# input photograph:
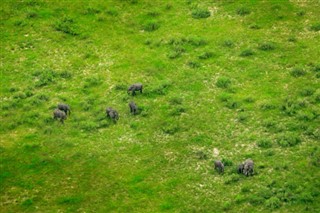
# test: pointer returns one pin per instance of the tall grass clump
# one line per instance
(267, 46)
(68, 26)
(242, 11)
(297, 72)
(246, 53)
(151, 25)
(200, 13)
(288, 139)
(223, 82)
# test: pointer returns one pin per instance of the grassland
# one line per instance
(226, 80)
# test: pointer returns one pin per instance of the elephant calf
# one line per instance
(113, 114)
(133, 107)
(135, 87)
(65, 108)
(59, 114)
(218, 165)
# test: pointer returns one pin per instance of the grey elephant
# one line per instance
(246, 167)
(218, 165)
(133, 107)
(135, 87)
(59, 114)
(113, 114)
(65, 108)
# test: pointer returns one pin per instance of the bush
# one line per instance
(243, 11)
(264, 143)
(19, 95)
(228, 43)
(232, 179)
(45, 77)
(307, 92)
(177, 111)
(297, 72)
(315, 27)
(246, 53)
(273, 203)
(197, 41)
(266, 46)
(151, 26)
(288, 140)
(193, 64)
(199, 13)
(226, 162)
(243, 117)
(267, 106)
(206, 55)
(67, 26)
(223, 82)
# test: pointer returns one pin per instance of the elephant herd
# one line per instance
(245, 168)
(63, 110)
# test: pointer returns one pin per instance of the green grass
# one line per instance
(223, 80)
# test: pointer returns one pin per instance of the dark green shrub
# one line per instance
(19, 95)
(175, 101)
(206, 55)
(45, 77)
(27, 202)
(199, 13)
(151, 25)
(273, 203)
(297, 72)
(228, 43)
(315, 27)
(266, 46)
(301, 13)
(193, 64)
(267, 106)
(232, 179)
(91, 11)
(243, 11)
(67, 26)
(246, 53)
(65, 74)
(292, 39)
(197, 41)
(264, 143)
(288, 140)
(112, 12)
(223, 82)
(307, 92)
(254, 27)
(177, 111)
(226, 162)
(255, 200)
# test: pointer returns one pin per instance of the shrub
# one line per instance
(255, 200)
(232, 179)
(273, 203)
(301, 13)
(174, 54)
(267, 106)
(175, 101)
(297, 72)
(226, 162)
(231, 104)
(112, 12)
(199, 13)
(288, 140)
(254, 27)
(266, 46)
(228, 43)
(45, 77)
(223, 82)
(246, 53)
(243, 11)
(307, 92)
(170, 129)
(197, 41)
(292, 39)
(264, 143)
(177, 111)
(151, 25)
(206, 55)
(193, 64)
(243, 117)
(19, 95)
(91, 11)
(315, 27)
(67, 26)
